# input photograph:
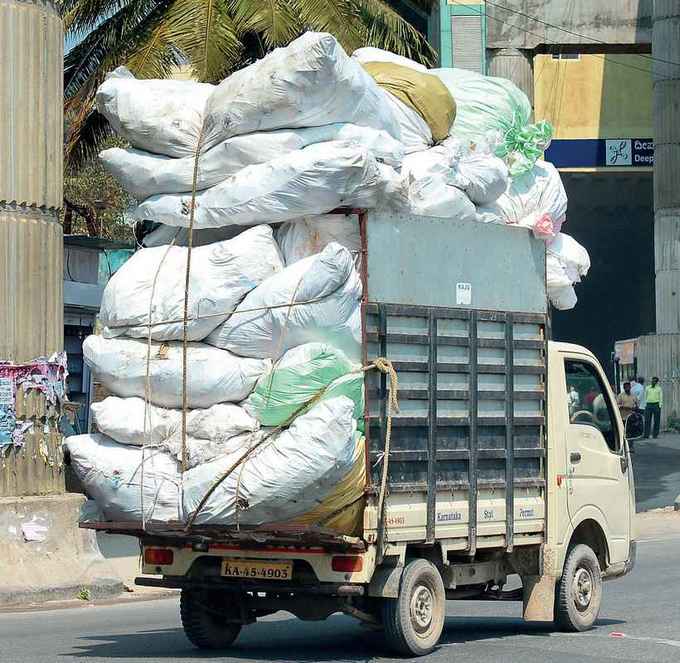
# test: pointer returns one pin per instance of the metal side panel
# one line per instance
(426, 261)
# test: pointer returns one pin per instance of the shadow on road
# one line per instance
(291, 640)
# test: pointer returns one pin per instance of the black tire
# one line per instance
(414, 622)
(578, 595)
(204, 628)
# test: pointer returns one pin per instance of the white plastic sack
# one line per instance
(317, 179)
(483, 103)
(415, 133)
(372, 54)
(213, 375)
(221, 275)
(309, 83)
(122, 419)
(163, 235)
(143, 174)
(286, 476)
(435, 186)
(563, 298)
(112, 475)
(572, 256)
(486, 177)
(331, 285)
(310, 235)
(529, 196)
(162, 116)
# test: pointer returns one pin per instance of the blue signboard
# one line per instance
(602, 153)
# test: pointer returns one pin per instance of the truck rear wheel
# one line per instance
(206, 627)
(414, 622)
(579, 592)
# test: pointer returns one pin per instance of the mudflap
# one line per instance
(539, 598)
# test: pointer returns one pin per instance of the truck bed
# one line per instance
(460, 309)
(471, 419)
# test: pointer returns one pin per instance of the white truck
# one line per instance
(507, 456)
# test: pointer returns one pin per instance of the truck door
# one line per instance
(596, 458)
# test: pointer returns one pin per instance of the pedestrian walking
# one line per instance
(653, 405)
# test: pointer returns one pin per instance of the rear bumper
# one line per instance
(241, 587)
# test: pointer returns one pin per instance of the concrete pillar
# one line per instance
(31, 242)
(514, 64)
(666, 48)
(43, 553)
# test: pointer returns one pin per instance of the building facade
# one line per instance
(587, 68)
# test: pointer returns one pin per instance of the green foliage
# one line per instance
(214, 37)
(90, 186)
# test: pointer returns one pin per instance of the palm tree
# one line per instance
(213, 37)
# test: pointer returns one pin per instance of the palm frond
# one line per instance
(156, 54)
(106, 46)
(385, 28)
(81, 16)
(87, 132)
(205, 32)
(276, 21)
(339, 17)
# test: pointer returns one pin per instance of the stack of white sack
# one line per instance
(208, 431)
(318, 178)
(244, 299)
(143, 174)
(213, 375)
(314, 299)
(146, 295)
(289, 474)
(324, 134)
(286, 475)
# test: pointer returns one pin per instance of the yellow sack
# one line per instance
(424, 93)
(343, 510)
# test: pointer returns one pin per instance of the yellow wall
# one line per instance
(595, 96)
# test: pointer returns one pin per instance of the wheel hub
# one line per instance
(422, 602)
(583, 588)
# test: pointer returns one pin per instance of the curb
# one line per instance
(71, 603)
(101, 588)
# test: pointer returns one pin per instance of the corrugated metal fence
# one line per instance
(659, 355)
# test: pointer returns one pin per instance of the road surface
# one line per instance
(656, 464)
(644, 607)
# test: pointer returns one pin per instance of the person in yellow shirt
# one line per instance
(654, 400)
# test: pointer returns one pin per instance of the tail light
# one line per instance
(348, 564)
(158, 556)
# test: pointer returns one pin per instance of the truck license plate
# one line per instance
(248, 568)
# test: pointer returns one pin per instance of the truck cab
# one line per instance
(591, 496)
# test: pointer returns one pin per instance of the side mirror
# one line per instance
(634, 426)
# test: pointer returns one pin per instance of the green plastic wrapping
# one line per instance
(495, 110)
(299, 377)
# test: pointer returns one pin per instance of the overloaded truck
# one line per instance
(491, 465)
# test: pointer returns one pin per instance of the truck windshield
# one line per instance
(588, 401)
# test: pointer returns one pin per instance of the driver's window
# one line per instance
(587, 400)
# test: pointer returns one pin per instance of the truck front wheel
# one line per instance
(205, 622)
(579, 592)
(414, 622)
